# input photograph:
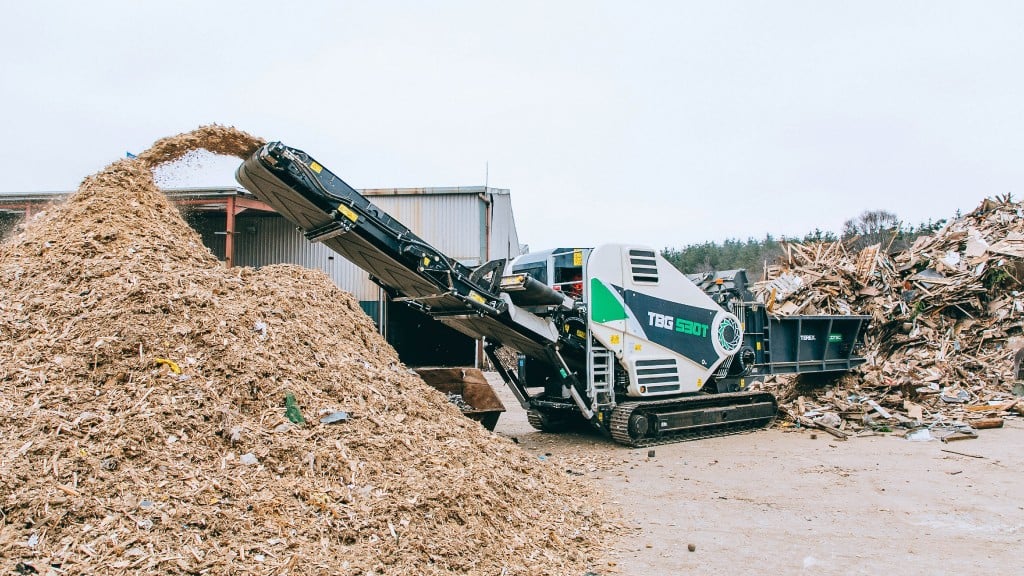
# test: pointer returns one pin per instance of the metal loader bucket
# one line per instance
(479, 402)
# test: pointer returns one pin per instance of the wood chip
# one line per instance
(190, 470)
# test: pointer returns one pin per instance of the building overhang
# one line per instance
(215, 199)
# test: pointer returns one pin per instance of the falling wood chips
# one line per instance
(112, 462)
(947, 317)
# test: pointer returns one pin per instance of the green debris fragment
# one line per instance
(291, 409)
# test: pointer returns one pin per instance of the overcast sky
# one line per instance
(665, 123)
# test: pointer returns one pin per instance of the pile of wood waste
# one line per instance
(946, 326)
(163, 414)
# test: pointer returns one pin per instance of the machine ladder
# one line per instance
(601, 375)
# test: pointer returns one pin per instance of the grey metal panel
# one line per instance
(264, 240)
(210, 226)
(504, 241)
(450, 222)
(8, 223)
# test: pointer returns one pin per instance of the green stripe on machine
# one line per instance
(604, 305)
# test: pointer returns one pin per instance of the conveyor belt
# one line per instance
(330, 211)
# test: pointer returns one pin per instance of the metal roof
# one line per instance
(198, 192)
(16, 201)
(437, 190)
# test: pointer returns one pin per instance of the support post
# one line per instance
(229, 239)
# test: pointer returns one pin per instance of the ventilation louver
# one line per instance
(643, 266)
(660, 375)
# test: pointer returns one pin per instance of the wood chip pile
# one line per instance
(162, 414)
(946, 321)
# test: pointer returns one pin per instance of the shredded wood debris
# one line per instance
(214, 138)
(163, 414)
(946, 323)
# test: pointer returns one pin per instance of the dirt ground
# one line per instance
(782, 502)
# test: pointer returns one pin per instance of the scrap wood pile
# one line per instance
(160, 413)
(946, 321)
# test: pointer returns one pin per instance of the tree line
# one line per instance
(870, 227)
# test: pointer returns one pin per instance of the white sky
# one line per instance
(663, 123)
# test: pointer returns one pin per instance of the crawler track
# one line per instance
(653, 422)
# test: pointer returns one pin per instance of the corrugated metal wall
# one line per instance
(8, 221)
(454, 223)
(270, 239)
(451, 222)
(211, 226)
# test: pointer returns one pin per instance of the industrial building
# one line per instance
(474, 224)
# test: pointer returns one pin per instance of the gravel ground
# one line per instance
(793, 502)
